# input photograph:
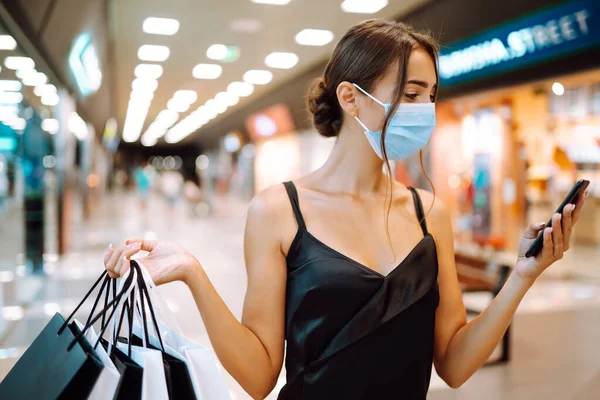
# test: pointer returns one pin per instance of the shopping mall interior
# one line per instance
(162, 120)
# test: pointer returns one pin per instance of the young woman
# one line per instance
(344, 264)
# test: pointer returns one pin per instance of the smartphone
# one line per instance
(571, 198)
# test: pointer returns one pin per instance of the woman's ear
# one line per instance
(347, 97)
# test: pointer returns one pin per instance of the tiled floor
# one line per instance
(556, 332)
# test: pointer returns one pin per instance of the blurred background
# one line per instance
(162, 119)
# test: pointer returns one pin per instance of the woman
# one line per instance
(344, 263)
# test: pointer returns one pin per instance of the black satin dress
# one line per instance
(351, 332)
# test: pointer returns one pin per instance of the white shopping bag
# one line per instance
(154, 383)
(201, 361)
(109, 378)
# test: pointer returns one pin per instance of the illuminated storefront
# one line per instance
(501, 158)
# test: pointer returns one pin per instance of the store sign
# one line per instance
(85, 65)
(542, 36)
(269, 122)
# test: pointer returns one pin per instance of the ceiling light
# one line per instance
(275, 2)
(241, 89)
(77, 126)
(50, 99)
(43, 90)
(36, 79)
(281, 60)
(148, 71)
(24, 72)
(215, 106)
(10, 97)
(206, 112)
(50, 125)
(228, 98)
(149, 141)
(150, 52)
(7, 42)
(18, 124)
(363, 6)
(19, 63)
(167, 117)
(258, 76)
(161, 26)
(10, 85)
(245, 25)
(207, 71)
(187, 96)
(558, 88)
(223, 53)
(144, 84)
(314, 37)
(141, 96)
(178, 105)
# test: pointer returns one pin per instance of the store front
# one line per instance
(502, 158)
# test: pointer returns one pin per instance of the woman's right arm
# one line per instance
(251, 350)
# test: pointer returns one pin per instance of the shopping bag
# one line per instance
(61, 362)
(207, 381)
(108, 381)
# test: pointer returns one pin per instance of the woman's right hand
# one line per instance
(166, 261)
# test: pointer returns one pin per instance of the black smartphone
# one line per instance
(571, 198)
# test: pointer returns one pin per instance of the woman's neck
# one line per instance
(352, 167)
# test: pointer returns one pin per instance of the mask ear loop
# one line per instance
(372, 98)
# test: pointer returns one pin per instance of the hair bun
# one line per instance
(326, 113)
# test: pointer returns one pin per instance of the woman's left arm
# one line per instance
(461, 347)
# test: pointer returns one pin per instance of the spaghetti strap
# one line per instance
(293, 195)
(419, 208)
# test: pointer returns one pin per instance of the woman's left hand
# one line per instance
(556, 242)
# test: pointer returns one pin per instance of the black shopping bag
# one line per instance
(130, 385)
(60, 363)
(54, 366)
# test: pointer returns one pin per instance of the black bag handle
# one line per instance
(111, 306)
(64, 325)
(144, 294)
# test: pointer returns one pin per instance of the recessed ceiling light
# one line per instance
(11, 97)
(148, 71)
(258, 76)
(229, 98)
(314, 37)
(178, 105)
(240, 89)
(186, 96)
(281, 60)
(36, 79)
(144, 84)
(207, 71)
(43, 90)
(558, 88)
(50, 125)
(141, 96)
(275, 2)
(150, 52)
(363, 6)
(167, 117)
(149, 141)
(215, 106)
(7, 42)
(19, 63)
(245, 25)
(161, 26)
(223, 53)
(10, 85)
(50, 99)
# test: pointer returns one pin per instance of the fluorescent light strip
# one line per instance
(160, 26)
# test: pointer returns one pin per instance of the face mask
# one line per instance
(409, 130)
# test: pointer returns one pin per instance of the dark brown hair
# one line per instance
(362, 56)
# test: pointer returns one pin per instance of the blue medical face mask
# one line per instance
(409, 130)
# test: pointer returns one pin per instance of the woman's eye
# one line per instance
(411, 96)
(432, 98)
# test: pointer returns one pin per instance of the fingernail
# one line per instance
(110, 246)
(541, 223)
(559, 217)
